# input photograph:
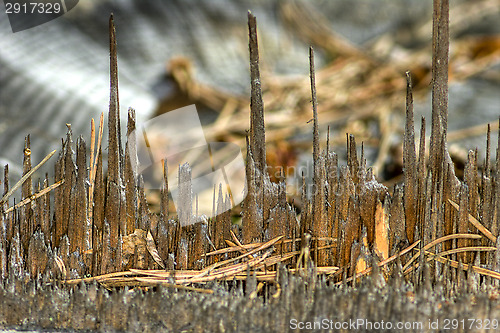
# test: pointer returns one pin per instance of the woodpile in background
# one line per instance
(435, 230)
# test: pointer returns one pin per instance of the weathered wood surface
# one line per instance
(89, 307)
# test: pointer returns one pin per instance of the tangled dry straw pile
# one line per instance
(433, 231)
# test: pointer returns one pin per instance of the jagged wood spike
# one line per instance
(487, 208)
(320, 227)
(114, 185)
(81, 209)
(227, 222)
(352, 158)
(332, 215)
(218, 230)
(397, 235)
(78, 232)
(98, 216)
(114, 151)
(282, 191)
(16, 262)
(58, 199)
(198, 245)
(69, 181)
(27, 225)
(437, 193)
(257, 127)
(143, 216)
(107, 259)
(3, 246)
(123, 207)
(328, 141)
(488, 152)
(5, 180)
(305, 205)
(130, 176)
(451, 191)
(163, 238)
(182, 255)
(164, 193)
(352, 229)
(463, 223)
(37, 258)
(320, 222)
(496, 219)
(251, 221)
(470, 180)
(440, 50)
(410, 165)
(427, 206)
(381, 244)
(314, 102)
(363, 172)
(112, 214)
(27, 188)
(487, 211)
(347, 148)
(421, 175)
(45, 212)
(369, 194)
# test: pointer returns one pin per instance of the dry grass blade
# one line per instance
(35, 196)
(235, 248)
(434, 256)
(448, 237)
(98, 278)
(260, 248)
(212, 274)
(26, 176)
(238, 244)
(465, 249)
(118, 282)
(234, 271)
(224, 272)
(275, 259)
(162, 273)
(465, 267)
(477, 224)
(440, 240)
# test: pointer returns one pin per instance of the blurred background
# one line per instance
(176, 53)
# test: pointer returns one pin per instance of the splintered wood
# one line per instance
(349, 224)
